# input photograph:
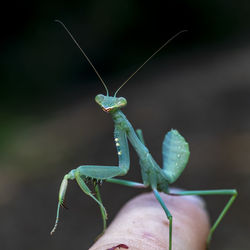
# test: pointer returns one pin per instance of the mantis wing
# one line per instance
(175, 152)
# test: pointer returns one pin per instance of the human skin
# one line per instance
(142, 224)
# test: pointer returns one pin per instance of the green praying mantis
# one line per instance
(175, 152)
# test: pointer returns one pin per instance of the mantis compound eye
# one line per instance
(99, 98)
(122, 102)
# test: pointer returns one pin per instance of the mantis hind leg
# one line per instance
(232, 192)
(170, 218)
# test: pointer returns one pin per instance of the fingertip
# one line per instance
(142, 224)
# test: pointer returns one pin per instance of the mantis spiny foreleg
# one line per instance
(96, 172)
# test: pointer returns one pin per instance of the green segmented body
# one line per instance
(175, 157)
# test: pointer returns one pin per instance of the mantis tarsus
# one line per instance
(175, 157)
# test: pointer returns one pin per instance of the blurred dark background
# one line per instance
(199, 84)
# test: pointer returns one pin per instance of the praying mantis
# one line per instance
(175, 152)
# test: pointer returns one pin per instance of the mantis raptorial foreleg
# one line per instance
(232, 192)
(75, 174)
(87, 191)
(103, 210)
(98, 173)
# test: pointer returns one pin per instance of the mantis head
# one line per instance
(110, 103)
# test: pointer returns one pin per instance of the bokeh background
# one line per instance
(199, 84)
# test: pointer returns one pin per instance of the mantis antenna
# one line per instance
(77, 44)
(167, 42)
